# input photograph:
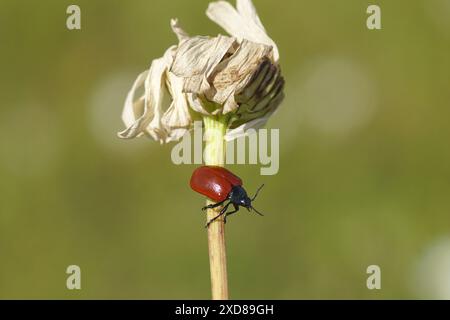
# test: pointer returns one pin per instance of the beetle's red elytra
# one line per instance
(214, 182)
(220, 185)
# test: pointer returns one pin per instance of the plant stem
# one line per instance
(215, 127)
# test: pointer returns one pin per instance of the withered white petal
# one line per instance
(196, 59)
(180, 33)
(234, 74)
(150, 120)
(242, 24)
(134, 107)
(230, 104)
(177, 116)
(155, 92)
(247, 9)
(176, 134)
(196, 103)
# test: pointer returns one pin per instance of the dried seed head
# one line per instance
(237, 75)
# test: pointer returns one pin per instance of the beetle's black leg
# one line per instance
(213, 205)
(224, 209)
(236, 209)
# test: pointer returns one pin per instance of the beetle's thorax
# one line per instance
(239, 196)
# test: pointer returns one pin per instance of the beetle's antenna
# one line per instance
(256, 211)
(257, 191)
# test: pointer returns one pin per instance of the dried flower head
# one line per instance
(238, 76)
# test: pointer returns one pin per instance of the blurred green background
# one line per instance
(364, 157)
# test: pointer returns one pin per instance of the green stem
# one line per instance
(215, 128)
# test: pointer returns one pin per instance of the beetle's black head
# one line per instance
(239, 197)
(246, 202)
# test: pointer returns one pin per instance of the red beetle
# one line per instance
(220, 185)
